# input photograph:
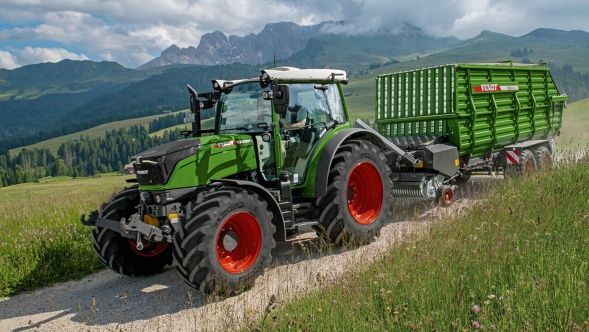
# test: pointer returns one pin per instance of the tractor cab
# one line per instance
(286, 111)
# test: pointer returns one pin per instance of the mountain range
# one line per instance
(284, 39)
(56, 98)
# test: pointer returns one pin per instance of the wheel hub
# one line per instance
(239, 242)
(364, 193)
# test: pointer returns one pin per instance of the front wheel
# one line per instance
(120, 254)
(358, 199)
(225, 241)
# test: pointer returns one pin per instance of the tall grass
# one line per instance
(515, 261)
(41, 238)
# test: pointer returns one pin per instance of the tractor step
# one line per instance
(305, 222)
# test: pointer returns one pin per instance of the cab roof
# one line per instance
(290, 74)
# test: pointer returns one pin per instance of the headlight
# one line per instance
(159, 198)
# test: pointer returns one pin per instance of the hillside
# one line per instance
(151, 96)
(355, 52)
(33, 97)
(98, 131)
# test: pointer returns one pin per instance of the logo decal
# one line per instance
(232, 143)
(495, 88)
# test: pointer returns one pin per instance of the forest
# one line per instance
(81, 157)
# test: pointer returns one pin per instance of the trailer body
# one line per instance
(479, 108)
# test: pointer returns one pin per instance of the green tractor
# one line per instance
(282, 154)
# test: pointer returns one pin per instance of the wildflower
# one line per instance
(475, 324)
(319, 310)
(485, 210)
(388, 309)
(487, 302)
(476, 308)
(334, 301)
(585, 323)
(454, 324)
(492, 327)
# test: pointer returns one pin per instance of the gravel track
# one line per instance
(107, 301)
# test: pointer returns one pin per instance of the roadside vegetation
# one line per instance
(516, 261)
(41, 238)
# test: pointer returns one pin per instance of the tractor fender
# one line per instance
(324, 165)
(278, 220)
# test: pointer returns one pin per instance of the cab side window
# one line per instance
(335, 103)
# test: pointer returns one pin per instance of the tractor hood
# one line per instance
(157, 165)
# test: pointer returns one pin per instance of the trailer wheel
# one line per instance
(445, 195)
(225, 241)
(544, 158)
(120, 254)
(358, 198)
(527, 165)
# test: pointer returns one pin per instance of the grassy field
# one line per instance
(41, 238)
(574, 134)
(515, 261)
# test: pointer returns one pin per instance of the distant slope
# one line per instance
(158, 92)
(33, 97)
(66, 76)
(98, 131)
(148, 97)
(355, 52)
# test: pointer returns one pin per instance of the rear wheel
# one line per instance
(119, 253)
(225, 241)
(544, 158)
(527, 165)
(358, 197)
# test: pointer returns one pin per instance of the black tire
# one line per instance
(445, 195)
(527, 165)
(356, 167)
(201, 254)
(119, 253)
(544, 160)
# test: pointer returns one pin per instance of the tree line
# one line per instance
(84, 156)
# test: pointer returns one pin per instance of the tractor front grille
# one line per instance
(148, 174)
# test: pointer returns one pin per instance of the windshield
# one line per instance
(243, 108)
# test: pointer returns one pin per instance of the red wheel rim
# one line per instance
(448, 195)
(364, 193)
(245, 227)
(529, 166)
(150, 249)
(546, 162)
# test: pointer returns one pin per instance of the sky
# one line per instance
(132, 32)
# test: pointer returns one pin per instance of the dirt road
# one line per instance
(107, 301)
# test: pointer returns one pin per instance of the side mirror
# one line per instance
(280, 94)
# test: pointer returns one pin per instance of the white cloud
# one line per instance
(132, 31)
(30, 55)
(8, 61)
